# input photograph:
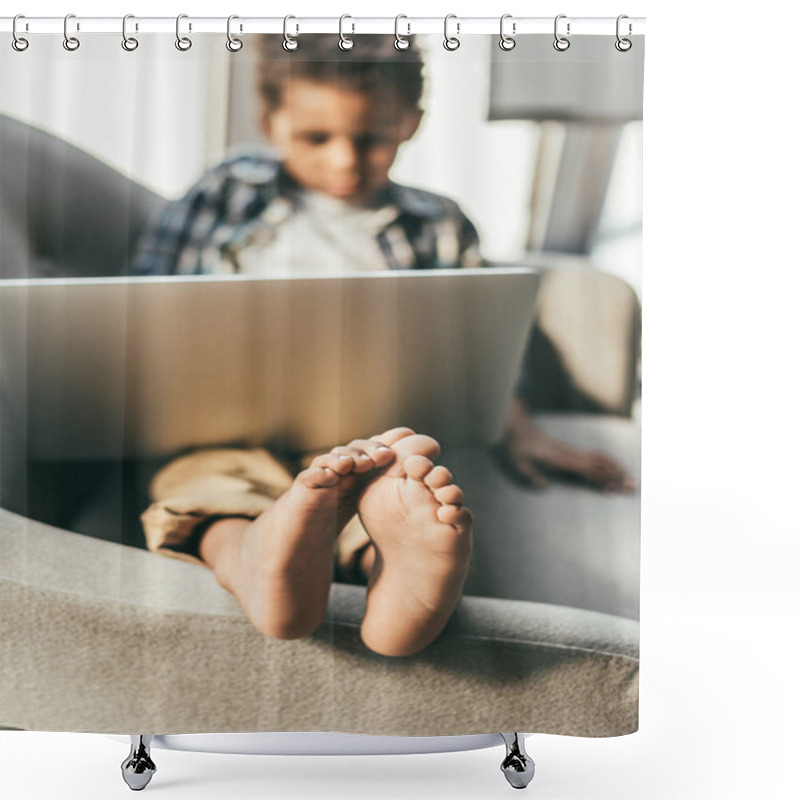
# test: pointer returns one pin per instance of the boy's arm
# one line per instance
(469, 254)
(184, 232)
(525, 449)
(167, 234)
(178, 232)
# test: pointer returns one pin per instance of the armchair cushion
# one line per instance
(105, 638)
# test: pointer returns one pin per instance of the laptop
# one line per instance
(126, 367)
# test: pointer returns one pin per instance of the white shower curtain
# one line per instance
(206, 286)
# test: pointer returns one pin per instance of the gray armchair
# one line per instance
(105, 636)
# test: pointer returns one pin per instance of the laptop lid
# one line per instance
(124, 367)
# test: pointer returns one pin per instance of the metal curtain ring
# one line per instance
(561, 43)
(183, 43)
(507, 42)
(19, 43)
(400, 42)
(70, 42)
(129, 43)
(451, 42)
(289, 42)
(233, 44)
(623, 45)
(345, 42)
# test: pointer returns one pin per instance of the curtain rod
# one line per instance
(298, 24)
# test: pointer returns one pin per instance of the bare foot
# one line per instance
(280, 565)
(422, 541)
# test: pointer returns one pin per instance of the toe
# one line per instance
(318, 477)
(448, 495)
(439, 477)
(361, 460)
(380, 454)
(393, 435)
(457, 516)
(341, 463)
(418, 444)
(417, 467)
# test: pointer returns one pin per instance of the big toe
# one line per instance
(417, 444)
(393, 435)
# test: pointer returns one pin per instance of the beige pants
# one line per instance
(227, 482)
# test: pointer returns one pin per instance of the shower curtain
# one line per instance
(319, 377)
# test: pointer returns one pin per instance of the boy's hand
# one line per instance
(524, 451)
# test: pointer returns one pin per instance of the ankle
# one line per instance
(366, 561)
(221, 548)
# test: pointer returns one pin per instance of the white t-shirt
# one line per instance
(323, 234)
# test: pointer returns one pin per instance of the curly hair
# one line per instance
(373, 66)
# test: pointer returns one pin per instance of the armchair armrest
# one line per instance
(105, 638)
(584, 351)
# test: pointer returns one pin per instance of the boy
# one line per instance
(337, 120)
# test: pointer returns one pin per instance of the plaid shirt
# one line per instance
(246, 197)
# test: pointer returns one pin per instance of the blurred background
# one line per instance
(542, 149)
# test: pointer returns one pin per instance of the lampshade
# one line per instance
(591, 81)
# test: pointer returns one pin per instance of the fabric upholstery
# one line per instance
(50, 192)
(593, 320)
(110, 639)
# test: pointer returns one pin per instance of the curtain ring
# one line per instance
(183, 43)
(400, 42)
(289, 42)
(71, 43)
(233, 44)
(451, 42)
(345, 42)
(623, 45)
(507, 42)
(19, 43)
(129, 43)
(561, 43)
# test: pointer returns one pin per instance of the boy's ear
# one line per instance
(411, 123)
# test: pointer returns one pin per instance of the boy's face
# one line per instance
(338, 141)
